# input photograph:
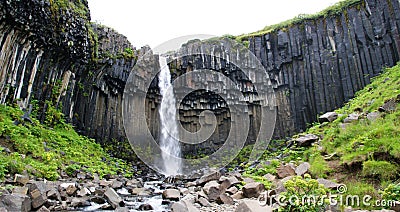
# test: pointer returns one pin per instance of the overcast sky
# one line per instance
(151, 22)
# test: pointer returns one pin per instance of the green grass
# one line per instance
(333, 10)
(44, 151)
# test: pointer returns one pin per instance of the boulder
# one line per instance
(285, 171)
(71, 189)
(302, 169)
(212, 190)
(253, 189)
(20, 190)
(252, 206)
(328, 117)
(15, 202)
(228, 182)
(351, 118)
(179, 207)
(270, 177)
(171, 194)
(21, 179)
(225, 199)
(113, 198)
(238, 195)
(203, 201)
(328, 183)
(215, 175)
(307, 140)
(373, 116)
(232, 190)
(37, 192)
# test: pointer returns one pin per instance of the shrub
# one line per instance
(303, 194)
(381, 169)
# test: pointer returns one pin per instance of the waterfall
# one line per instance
(169, 138)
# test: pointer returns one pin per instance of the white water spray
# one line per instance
(169, 139)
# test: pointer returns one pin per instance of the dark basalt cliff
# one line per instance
(51, 54)
(316, 65)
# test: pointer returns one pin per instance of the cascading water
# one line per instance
(169, 139)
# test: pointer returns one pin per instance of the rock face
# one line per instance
(53, 55)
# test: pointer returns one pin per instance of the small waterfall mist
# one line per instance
(169, 138)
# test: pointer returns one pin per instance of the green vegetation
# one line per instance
(76, 6)
(298, 189)
(45, 150)
(364, 154)
(334, 10)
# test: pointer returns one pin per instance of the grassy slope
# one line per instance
(365, 155)
(43, 151)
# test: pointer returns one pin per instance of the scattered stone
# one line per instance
(328, 183)
(53, 194)
(302, 169)
(105, 183)
(232, 190)
(80, 202)
(225, 199)
(179, 207)
(209, 177)
(307, 140)
(211, 189)
(139, 191)
(238, 195)
(83, 192)
(270, 177)
(252, 189)
(203, 201)
(146, 207)
(351, 118)
(252, 206)
(15, 202)
(21, 179)
(116, 184)
(285, 171)
(228, 182)
(81, 175)
(113, 198)
(171, 194)
(389, 106)
(43, 209)
(189, 205)
(71, 189)
(328, 117)
(248, 180)
(134, 183)
(184, 191)
(373, 116)
(20, 190)
(64, 186)
(38, 194)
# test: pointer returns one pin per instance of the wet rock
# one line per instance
(285, 171)
(351, 118)
(203, 201)
(80, 202)
(307, 140)
(328, 183)
(224, 199)
(252, 206)
(83, 192)
(146, 207)
(328, 117)
(43, 209)
(252, 189)
(113, 198)
(209, 177)
(21, 179)
(139, 191)
(171, 194)
(15, 202)
(302, 169)
(179, 207)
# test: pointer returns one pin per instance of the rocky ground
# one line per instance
(212, 192)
